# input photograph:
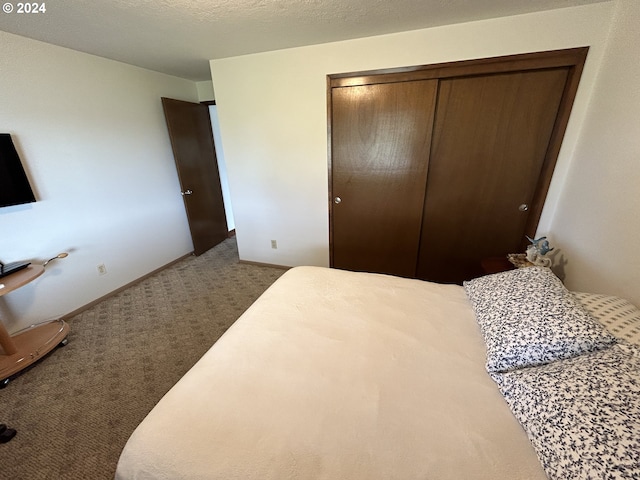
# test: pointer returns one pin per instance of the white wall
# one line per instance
(92, 136)
(222, 167)
(206, 93)
(597, 224)
(273, 117)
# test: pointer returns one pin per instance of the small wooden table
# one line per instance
(31, 344)
(496, 265)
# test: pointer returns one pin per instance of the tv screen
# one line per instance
(14, 184)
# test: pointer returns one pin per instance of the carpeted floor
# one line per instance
(76, 408)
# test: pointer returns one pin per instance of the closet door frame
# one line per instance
(573, 59)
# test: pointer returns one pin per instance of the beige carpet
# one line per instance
(76, 408)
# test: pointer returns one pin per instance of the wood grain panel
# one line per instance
(189, 126)
(490, 140)
(380, 155)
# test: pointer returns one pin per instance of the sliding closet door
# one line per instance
(490, 140)
(452, 161)
(381, 137)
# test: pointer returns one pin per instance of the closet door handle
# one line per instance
(337, 200)
(524, 207)
(186, 192)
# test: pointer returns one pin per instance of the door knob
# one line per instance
(337, 200)
(186, 192)
(524, 207)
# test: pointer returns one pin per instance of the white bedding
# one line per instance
(338, 375)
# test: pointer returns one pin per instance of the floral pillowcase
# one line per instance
(528, 317)
(582, 414)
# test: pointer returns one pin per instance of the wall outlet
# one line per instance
(274, 244)
(102, 270)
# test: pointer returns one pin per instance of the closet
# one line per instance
(434, 168)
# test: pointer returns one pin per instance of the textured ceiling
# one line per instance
(179, 37)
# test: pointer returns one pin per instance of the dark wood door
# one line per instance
(489, 157)
(380, 157)
(490, 140)
(194, 152)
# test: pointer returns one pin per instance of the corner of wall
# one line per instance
(205, 91)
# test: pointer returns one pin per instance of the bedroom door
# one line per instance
(189, 126)
(478, 140)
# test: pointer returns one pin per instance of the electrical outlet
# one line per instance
(274, 244)
(102, 270)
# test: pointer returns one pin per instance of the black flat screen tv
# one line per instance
(14, 184)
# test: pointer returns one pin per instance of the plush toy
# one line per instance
(537, 250)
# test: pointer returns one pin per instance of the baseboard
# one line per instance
(78, 311)
(260, 264)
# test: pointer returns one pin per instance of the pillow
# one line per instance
(582, 415)
(619, 316)
(527, 317)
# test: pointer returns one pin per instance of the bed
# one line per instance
(334, 374)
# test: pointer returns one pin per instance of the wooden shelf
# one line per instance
(26, 347)
(31, 345)
(21, 277)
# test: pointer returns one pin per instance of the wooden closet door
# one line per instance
(490, 140)
(380, 154)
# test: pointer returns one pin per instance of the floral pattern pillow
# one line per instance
(528, 317)
(582, 415)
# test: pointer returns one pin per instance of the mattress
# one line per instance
(332, 375)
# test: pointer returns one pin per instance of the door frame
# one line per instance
(573, 59)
